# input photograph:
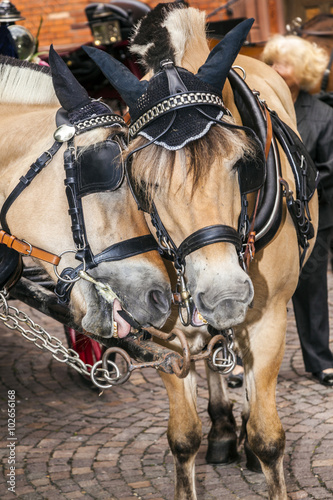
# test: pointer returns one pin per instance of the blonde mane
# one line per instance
(154, 165)
(186, 28)
(26, 83)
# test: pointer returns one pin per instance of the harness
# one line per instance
(271, 129)
(254, 231)
(80, 180)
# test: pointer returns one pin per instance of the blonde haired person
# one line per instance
(301, 64)
(305, 61)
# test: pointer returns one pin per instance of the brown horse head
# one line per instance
(189, 169)
(40, 215)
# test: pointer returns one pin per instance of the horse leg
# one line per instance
(264, 431)
(184, 432)
(222, 438)
(252, 461)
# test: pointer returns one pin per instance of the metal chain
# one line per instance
(12, 318)
(224, 358)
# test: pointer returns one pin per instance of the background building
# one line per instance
(63, 19)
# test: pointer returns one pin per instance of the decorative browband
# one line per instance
(177, 101)
(98, 121)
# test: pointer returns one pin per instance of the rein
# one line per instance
(65, 133)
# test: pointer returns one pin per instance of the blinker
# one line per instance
(64, 133)
(99, 168)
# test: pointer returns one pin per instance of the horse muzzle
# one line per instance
(137, 306)
(224, 305)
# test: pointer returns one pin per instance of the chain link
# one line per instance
(12, 318)
(224, 357)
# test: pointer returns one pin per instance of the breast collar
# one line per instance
(66, 132)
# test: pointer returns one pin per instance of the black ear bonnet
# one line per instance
(176, 108)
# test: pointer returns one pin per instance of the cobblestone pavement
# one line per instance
(73, 443)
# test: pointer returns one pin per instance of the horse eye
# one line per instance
(239, 163)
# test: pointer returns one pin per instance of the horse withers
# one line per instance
(93, 217)
(200, 175)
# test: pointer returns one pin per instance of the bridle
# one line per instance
(78, 183)
(207, 235)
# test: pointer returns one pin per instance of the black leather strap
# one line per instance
(118, 251)
(10, 266)
(43, 160)
(127, 248)
(175, 82)
(208, 235)
(252, 116)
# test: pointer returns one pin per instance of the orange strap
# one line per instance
(127, 118)
(269, 132)
(250, 248)
(26, 249)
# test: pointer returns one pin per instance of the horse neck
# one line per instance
(29, 133)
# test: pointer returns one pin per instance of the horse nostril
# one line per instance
(200, 302)
(159, 300)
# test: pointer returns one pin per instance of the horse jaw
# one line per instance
(222, 291)
(143, 292)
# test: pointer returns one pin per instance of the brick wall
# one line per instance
(59, 16)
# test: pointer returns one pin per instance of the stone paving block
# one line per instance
(95, 447)
(298, 495)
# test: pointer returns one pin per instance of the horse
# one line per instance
(196, 169)
(90, 224)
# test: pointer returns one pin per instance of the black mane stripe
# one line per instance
(151, 40)
(11, 61)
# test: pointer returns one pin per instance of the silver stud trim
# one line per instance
(177, 101)
(98, 121)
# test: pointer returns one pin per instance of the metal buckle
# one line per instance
(30, 247)
(68, 280)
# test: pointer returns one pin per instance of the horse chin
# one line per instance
(98, 318)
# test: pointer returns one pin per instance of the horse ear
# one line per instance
(128, 85)
(70, 93)
(220, 59)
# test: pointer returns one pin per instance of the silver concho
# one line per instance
(64, 133)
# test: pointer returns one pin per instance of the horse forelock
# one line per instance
(153, 166)
(24, 82)
(166, 32)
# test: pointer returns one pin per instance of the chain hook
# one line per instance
(183, 298)
(224, 357)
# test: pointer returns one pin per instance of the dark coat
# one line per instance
(315, 125)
